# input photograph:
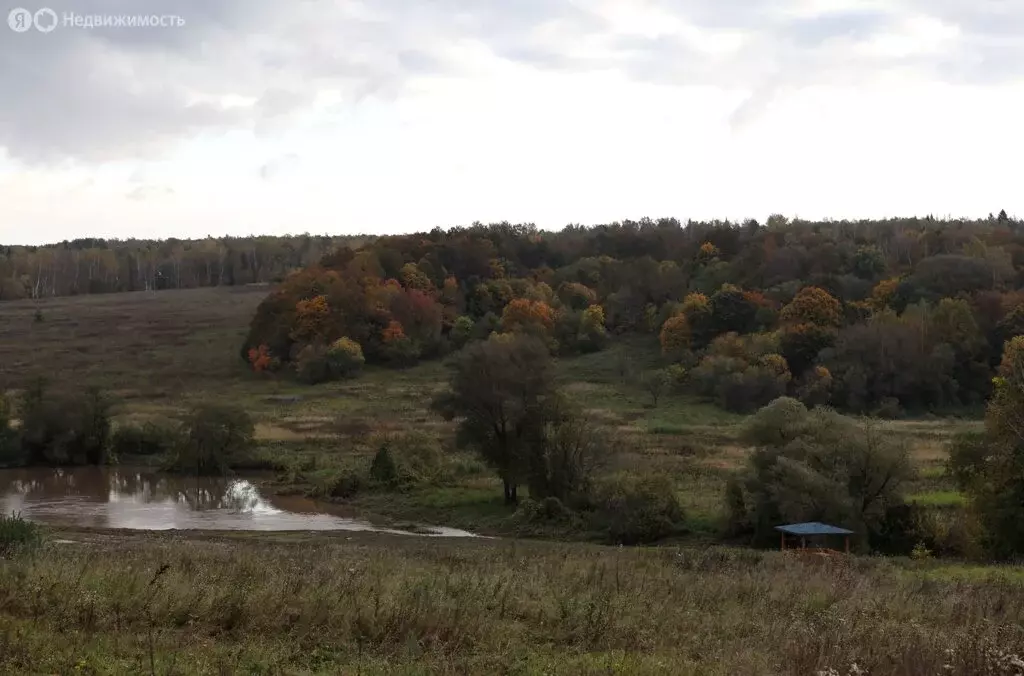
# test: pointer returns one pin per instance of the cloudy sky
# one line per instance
(267, 116)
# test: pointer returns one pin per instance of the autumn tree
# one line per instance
(592, 333)
(345, 358)
(812, 305)
(675, 336)
(809, 324)
(310, 319)
(530, 317)
(262, 360)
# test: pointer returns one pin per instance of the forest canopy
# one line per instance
(869, 316)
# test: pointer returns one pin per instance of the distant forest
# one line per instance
(902, 314)
(86, 266)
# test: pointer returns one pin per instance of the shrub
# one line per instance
(967, 454)
(383, 469)
(346, 485)
(146, 439)
(10, 443)
(549, 509)
(637, 509)
(66, 427)
(17, 534)
(461, 331)
(344, 358)
(418, 457)
(216, 435)
(312, 366)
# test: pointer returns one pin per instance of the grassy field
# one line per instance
(96, 602)
(93, 603)
(159, 352)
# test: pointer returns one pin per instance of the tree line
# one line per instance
(88, 266)
(870, 316)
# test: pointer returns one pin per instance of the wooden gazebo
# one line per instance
(817, 533)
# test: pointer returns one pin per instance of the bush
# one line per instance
(346, 485)
(419, 458)
(216, 435)
(67, 427)
(637, 509)
(967, 454)
(17, 534)
(383, 469)
(10, 443)
(146, 439)
(344, 358)
(312, 366)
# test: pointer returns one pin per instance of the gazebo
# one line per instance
(814, 530)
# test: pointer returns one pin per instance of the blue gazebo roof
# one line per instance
(813, 528)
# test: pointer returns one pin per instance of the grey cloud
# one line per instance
(110, 93)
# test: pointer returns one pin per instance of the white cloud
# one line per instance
(347, 116)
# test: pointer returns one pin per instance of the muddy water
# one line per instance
(102, 497)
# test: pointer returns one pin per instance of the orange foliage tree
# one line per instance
(675, 336)
(527, 316)
(310, 319)
(261, 359)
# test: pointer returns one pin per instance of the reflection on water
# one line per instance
(143, 499)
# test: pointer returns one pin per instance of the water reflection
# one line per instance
(144, 499)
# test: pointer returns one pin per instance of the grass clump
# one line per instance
(18, 534)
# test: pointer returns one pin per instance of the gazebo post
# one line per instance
(847, 538)
(783, 534)
(803, 542)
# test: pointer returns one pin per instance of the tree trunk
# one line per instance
(511, 498)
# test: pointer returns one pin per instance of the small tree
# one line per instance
(566, 459)
(345, 358)
(656, 383)
(64, 427)
(461, 332)
(383, 469)
(215, 436)
(675, 336)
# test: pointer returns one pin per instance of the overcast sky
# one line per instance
(267, 116)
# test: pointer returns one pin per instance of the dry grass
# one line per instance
(142, 345)
(378, 604)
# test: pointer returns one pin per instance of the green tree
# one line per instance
(216, 435)
(502, 392)
(64, 427)
(816, 466)
(993, 470)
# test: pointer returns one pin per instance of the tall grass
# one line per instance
(376, 604)
(17, 534)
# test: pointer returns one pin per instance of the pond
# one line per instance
(102, 497)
